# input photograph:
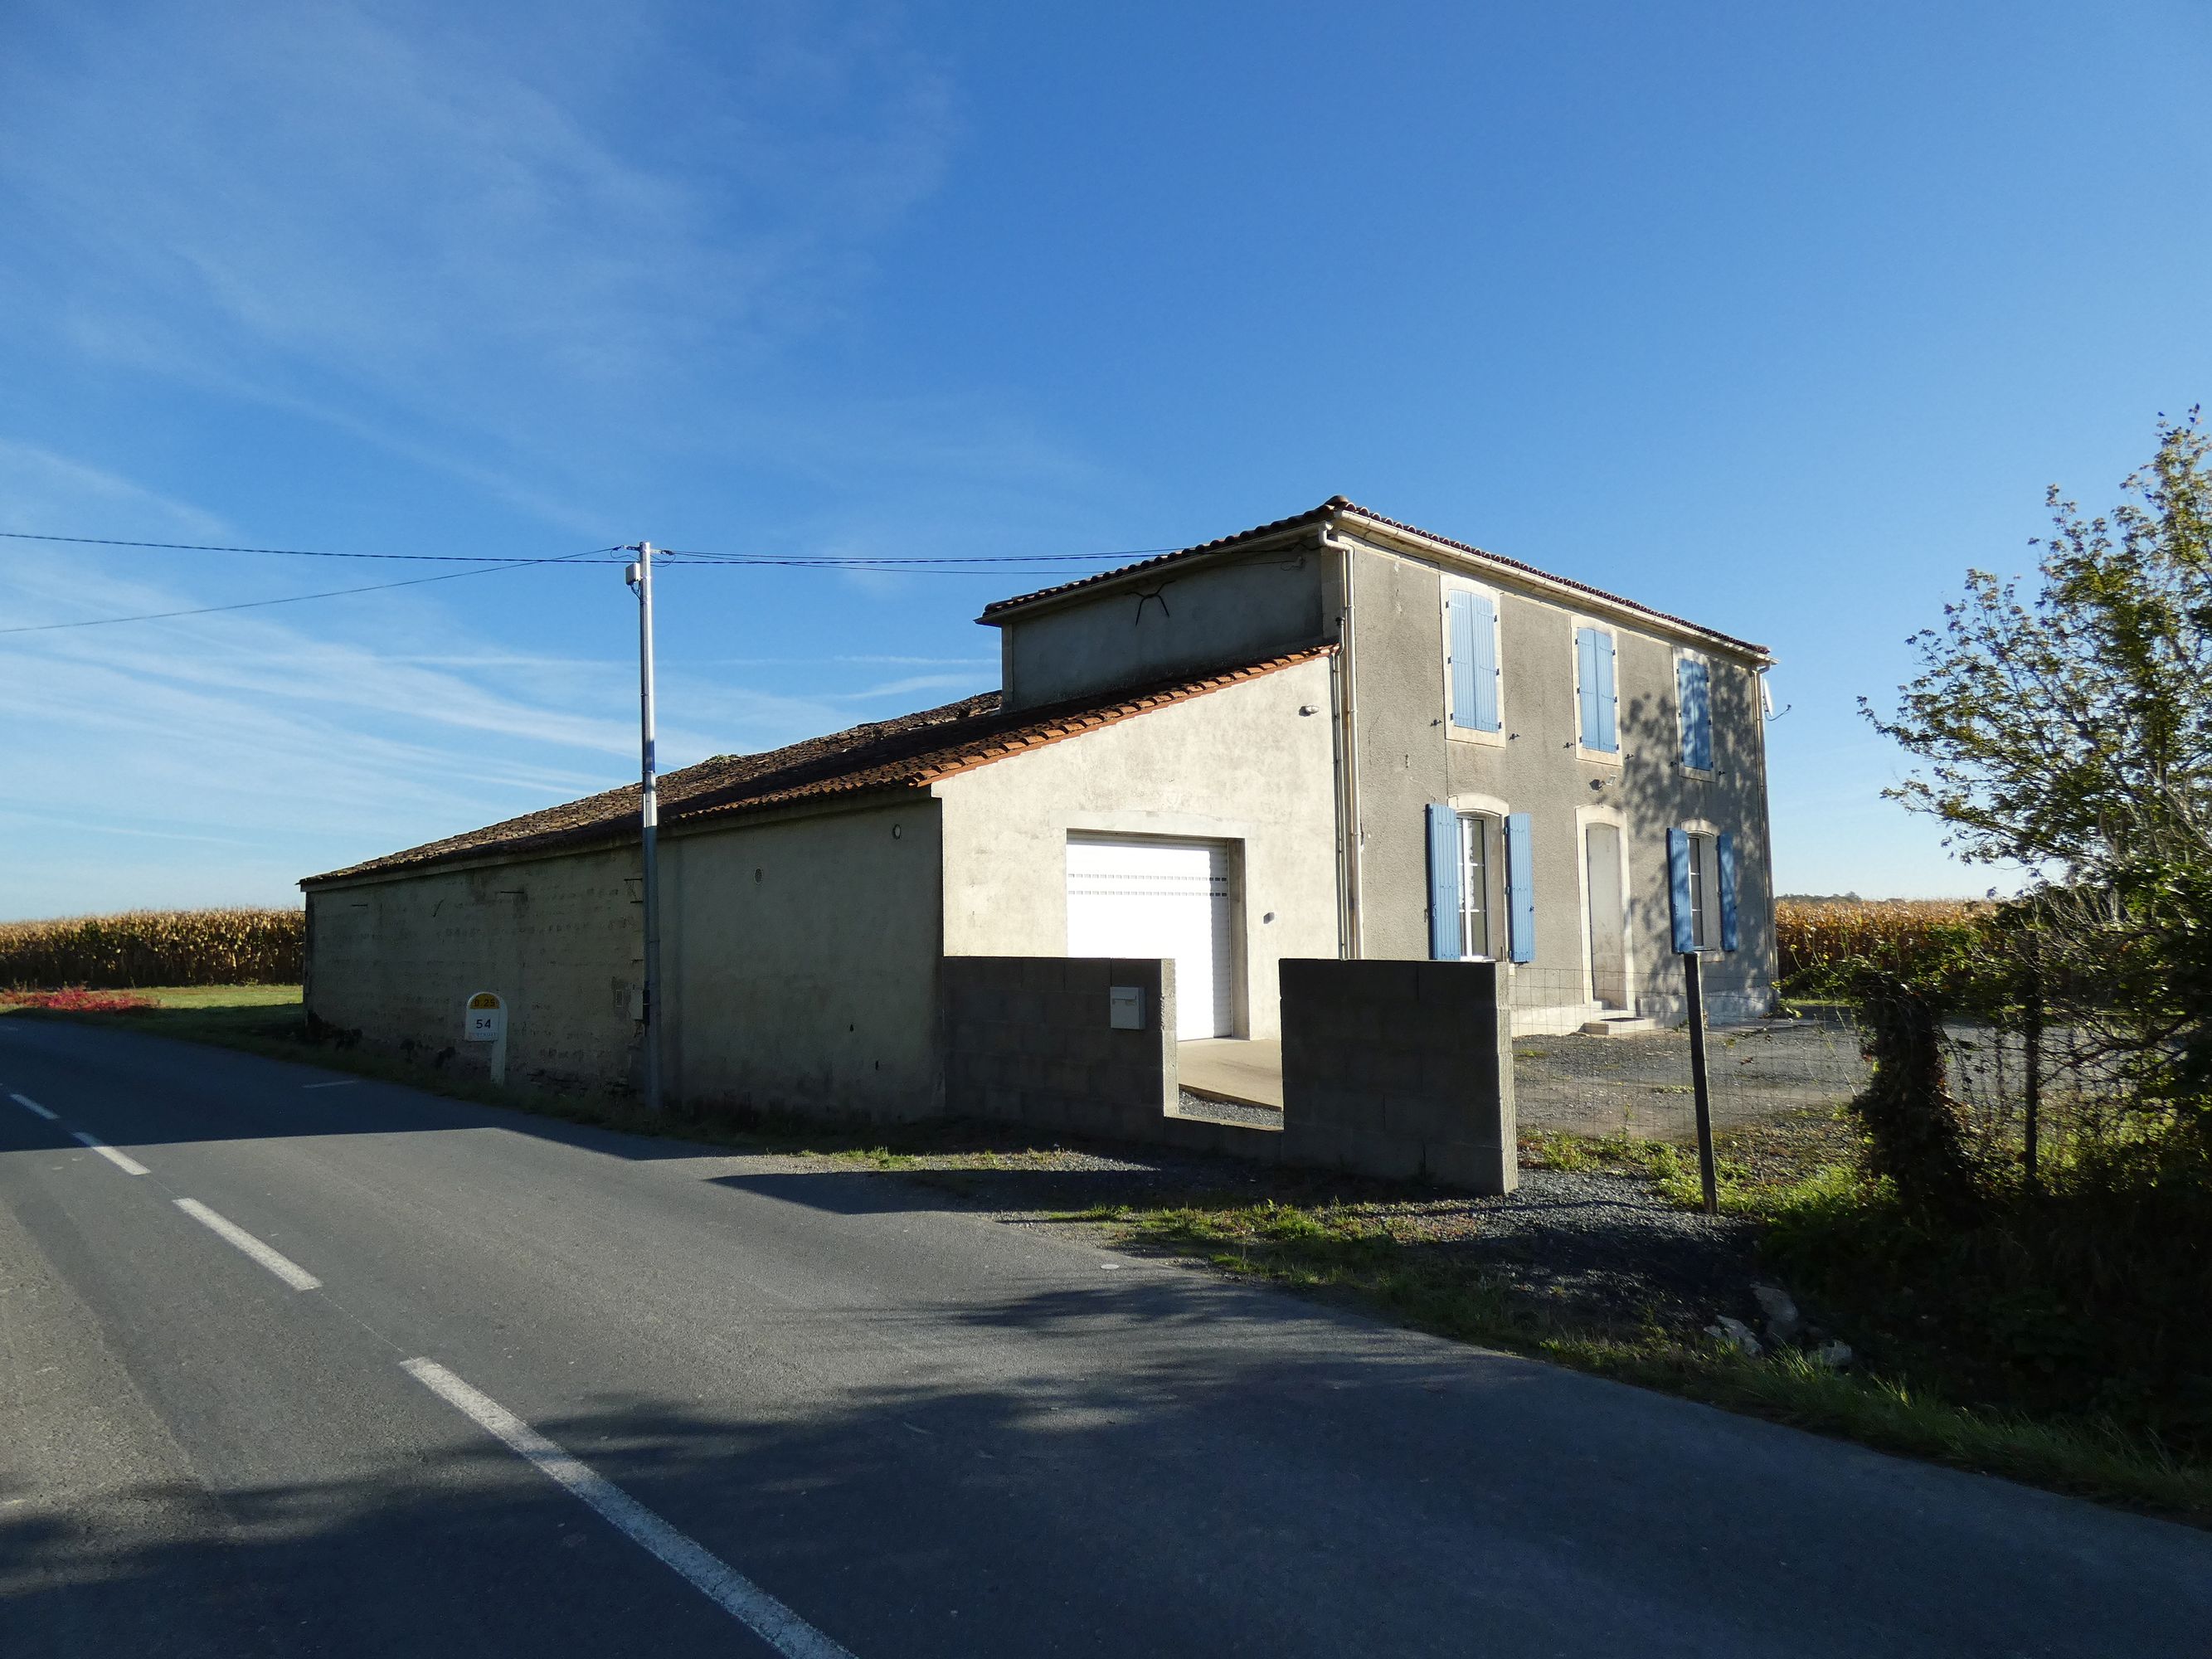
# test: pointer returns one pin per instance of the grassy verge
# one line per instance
(1342, 1253)
(1383, 1254)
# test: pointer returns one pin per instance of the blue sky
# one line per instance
(1778, 317)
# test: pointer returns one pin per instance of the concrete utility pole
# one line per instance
(639, 576)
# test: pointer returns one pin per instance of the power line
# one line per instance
(297, 598)
(285, 552)
(834, 562)
(894, 563)
(485, 564)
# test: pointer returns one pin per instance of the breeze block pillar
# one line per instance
(1401, 1069)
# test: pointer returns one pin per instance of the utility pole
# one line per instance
(639, 577)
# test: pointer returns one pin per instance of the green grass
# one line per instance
(1346, 1253)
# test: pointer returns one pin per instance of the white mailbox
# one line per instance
(1125, 1007)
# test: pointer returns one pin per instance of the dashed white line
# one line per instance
(31, 1105)
(282, 1266)
(715, 1578)
(122, 1161)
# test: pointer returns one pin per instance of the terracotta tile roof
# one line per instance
(1338, 507)
(910, 752)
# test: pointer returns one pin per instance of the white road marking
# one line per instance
(31, 1105)
(122, 1161)
(283, 1266)
(343, 1083)
(715, 1578)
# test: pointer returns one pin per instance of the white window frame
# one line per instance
(1596, 756)
(1460, 584)
(1497, 924)
(1681, 721)
(1705, 885)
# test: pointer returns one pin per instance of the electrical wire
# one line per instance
(298, 598)
(485, 564)
(286, 552)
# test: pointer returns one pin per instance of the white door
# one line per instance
(1159, 898)
(1609, 916)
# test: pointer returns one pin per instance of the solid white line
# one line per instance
(122, 1161)
(721, 1583)
(283, 1266)
(31, 1105)
(343, 1083)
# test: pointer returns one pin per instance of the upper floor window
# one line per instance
(1693, 704)
(1597, 698)
(1471, 658)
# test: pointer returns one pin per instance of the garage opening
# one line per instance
(1133, 897)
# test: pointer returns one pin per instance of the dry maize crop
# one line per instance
(1816, 936)
(154, 947)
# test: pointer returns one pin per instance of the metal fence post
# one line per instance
(2032, 1047)
(1693, 978)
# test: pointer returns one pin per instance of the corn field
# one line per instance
(1816, 937)
(154, 947)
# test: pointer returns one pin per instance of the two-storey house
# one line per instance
(1335, 735)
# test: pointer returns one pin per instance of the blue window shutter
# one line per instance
(1444, 883)
(1678, 889)
(1724, 850)
(1586, 687)
(1520, 889)
(1692, 687)
(1466, 697)
(1483, 654)
(1602, 655)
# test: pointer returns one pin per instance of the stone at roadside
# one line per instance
(1835, 1355)
(1783, 1321)
(1737, 1335)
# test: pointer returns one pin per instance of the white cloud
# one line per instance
(481, 239)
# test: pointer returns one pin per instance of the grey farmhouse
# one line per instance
(1333, 737)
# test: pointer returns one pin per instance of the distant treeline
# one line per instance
(154, 947)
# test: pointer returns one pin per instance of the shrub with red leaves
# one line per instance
(79, 1002)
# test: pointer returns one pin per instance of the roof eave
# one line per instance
(1301, 528)
(1572, 596)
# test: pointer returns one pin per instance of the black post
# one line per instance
(2031, 1041)
(1693, 976)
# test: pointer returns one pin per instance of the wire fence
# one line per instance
(2019, 1092)
(1635, 1079)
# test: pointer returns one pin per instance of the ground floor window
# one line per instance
(1479, 854)
(1701, 872)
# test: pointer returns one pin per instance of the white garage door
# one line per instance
(1158, 898)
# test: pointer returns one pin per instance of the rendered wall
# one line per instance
(1151, 627)
(1401, 1069)
(801, 956)
(810, 987)
(1242, 764)
(1409, 756)
(558, 939)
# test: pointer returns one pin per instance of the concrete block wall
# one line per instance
(1401, 1069)
(1027, 1042)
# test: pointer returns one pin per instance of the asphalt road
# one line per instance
(561, 1392)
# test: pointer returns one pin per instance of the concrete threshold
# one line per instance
(1238, 1071)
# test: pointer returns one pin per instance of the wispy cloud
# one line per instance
(425, 225)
